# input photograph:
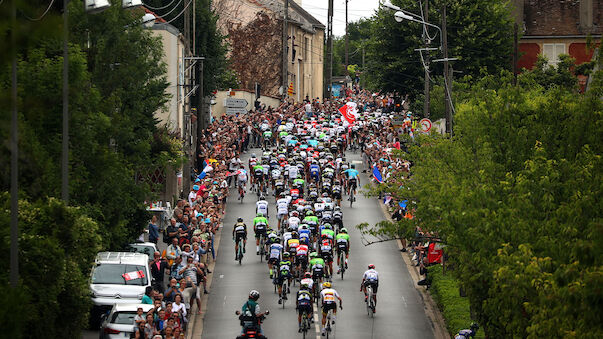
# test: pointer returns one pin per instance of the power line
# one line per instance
(171, 10)
(41, 16)
(158, 8)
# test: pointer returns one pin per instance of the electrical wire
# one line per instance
(179, 14)
(41, 16)
(158, 8)
(424, 25)
(170, 11)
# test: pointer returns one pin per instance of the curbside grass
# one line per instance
(454, 308)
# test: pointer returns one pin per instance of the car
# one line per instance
(147, 248)
(119, 322)
(117, 278)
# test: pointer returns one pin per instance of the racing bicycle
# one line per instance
(370, 301)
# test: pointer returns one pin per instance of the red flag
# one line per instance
(348, 111)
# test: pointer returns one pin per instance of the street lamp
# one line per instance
(401, 16)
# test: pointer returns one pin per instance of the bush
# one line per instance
(455, 309)
(57, 246)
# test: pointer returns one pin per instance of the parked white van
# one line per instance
(118, 278)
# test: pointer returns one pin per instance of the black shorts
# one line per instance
(342, 248)
(306, 307)
(273, 261)
(281, 278)
(336, 195)
(239, 236)
(353, 183)
(259, 176)
(327, 257)
(374, 285)
(259, 232)
(328, 306)
(317, 274)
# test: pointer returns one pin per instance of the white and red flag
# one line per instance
(349, 112)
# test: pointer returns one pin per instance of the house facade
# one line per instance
(255, 28)
(555, 27)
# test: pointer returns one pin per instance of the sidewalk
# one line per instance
(429, 305)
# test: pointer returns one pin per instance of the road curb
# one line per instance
(430, 307)
(196, 323)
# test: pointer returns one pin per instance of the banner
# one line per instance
(133, 275)
(377, 174)
(434, 254)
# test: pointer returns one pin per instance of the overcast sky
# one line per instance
(356, 9)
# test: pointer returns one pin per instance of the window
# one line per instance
(113, 274)
(552, 52)
(307, 47)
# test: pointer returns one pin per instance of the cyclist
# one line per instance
(370, 277)
(239, 231)
(317, 266)
(260, 224)
(307, 279)
(267, 138)
(262, 206)
(303, 303)
(293, 242)
(275, 254)
(338, 217)
(343, 246)
(336, 192)
(294, 220)
(302, 257)
(353, 178)
(312, 221)
(282, 209)
(314, 171)
(258, 176)
(329, 298)
(242, 178)
(284, 273)
(326, 252)
(304, 234)
(252, 162)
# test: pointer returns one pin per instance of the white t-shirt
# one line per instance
(192, 196)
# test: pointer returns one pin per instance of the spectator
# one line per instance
(173, 251)
(153, 230)
(172, 290)
(147, 298)
(158, 267)
(172, 231)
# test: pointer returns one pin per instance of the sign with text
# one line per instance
(235, 103)
(234, 111)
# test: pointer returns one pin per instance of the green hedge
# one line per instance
(455, 309)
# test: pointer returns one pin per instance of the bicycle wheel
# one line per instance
(351, 197)
(240, 252)
(262, 249)
(369, 294)
(341, 266)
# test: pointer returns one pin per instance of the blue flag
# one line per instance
(403, 203)
(377, 174)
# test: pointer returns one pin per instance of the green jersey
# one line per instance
(317, 261)
(258, 168)
(283, 134)
(260, 220)
(267, 134)
(343, 236)
(311, 219)
(299, 181)
(328, 232)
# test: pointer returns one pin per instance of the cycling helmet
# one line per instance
(313, 255)
(240, 219)
(371, 267)
(262, 197)
(278, 239)
(254, 295)
(324, 236)
(295, 213)
(294, 234)
(307, 275)
(253, 155)
(304, 286)
(309, 213)
(337, 208)
(353, 165)
(326, 284)
(260, 214)
(328, 226)
(286, 255)
(343, 230)
(325, 195)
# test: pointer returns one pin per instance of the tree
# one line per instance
(514, 197)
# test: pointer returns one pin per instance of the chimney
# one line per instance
(586, 16)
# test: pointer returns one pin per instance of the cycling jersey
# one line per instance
(275, 251)
(242, 175)
(304, 298)
(258, 170)
(317, 263)
(328, 296)
(307, 281)
(287, 236)
(284, 268)
(282, 205)
(342, 240)
(262, 207)
(302, 250)
(260, 223)
(371, 275)
(351, 173)
(293, 222)
(292, 244)
(325, 246)
(330, 234)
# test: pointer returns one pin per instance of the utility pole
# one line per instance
(447, 87)
(186, 135)
(426, 102)
(285, 75)
(14, 158)
(346, 37)
(65, 143)
(363, 69)
(329, 72)
(515, 54)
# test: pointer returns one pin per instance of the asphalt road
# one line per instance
(400, 313)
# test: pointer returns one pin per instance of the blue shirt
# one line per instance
(352, 173)
(153, 231)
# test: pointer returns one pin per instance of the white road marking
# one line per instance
(221, 276)
(404, 301)
(316, 321)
